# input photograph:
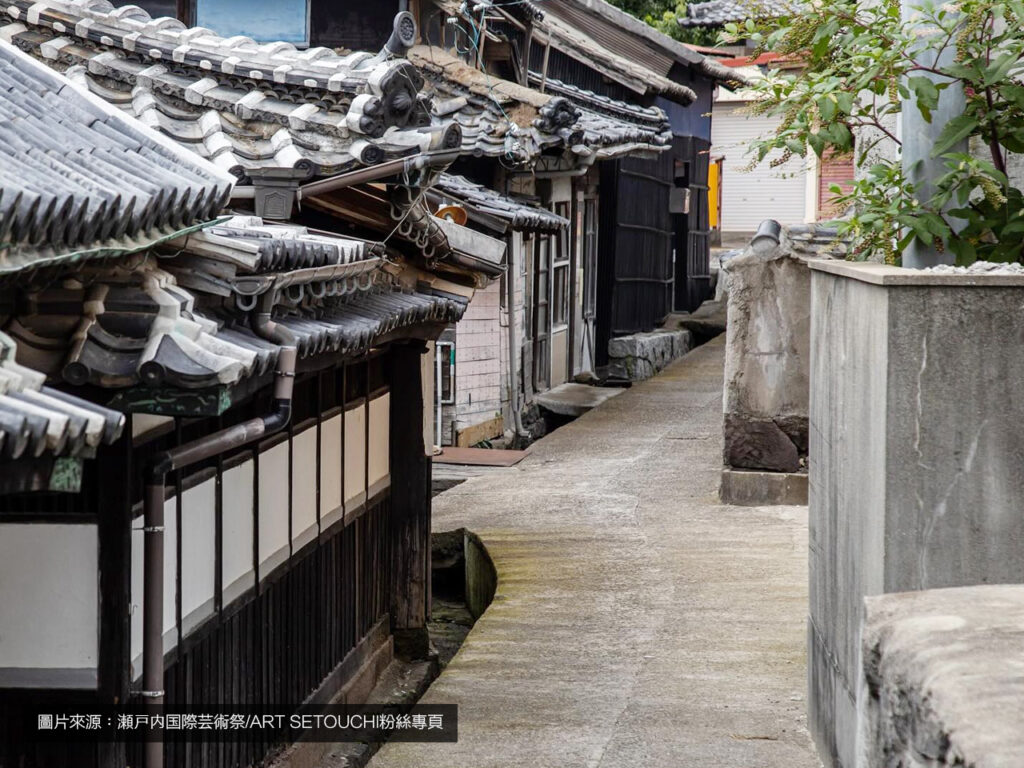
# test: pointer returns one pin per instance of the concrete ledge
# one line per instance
(573, 399)
(883, 274)
(942, 678)
(747, 488)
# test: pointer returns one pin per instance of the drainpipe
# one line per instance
(179, 458)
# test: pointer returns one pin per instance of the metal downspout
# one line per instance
(179, 458)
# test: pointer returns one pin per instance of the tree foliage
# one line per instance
(664, 16)
(863, 62)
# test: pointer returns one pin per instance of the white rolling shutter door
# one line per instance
(748, 198)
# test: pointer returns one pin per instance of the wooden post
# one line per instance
(410, 504)
(544, 66)
(524, 71)
(113, 467)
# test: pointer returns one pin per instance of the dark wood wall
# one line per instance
(635, 273)
(295, 634)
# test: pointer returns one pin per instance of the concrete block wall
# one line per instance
(915, 456)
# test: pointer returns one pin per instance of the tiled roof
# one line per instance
(77, 178)
(612, 127)
(502, 119)
(244, 257)
(634, 39)
(36, 420)
(517, 214)
(182, 322)
(715, 13)
(145, 329)
(240, 104)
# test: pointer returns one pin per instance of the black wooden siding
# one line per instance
(635, 274)
(272, 646)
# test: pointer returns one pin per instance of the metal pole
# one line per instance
(919, 137)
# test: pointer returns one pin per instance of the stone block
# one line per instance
(640, 356)
(941, 678)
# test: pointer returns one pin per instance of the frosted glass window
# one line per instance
(236, 566)
(273, 520)
(304, 487)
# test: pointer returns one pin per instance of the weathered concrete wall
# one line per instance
(942, 681)
(641, 355)
(915, 455)
(768, 350)
(847, 468)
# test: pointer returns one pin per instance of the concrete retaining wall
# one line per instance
(915, 456)
(942, 681)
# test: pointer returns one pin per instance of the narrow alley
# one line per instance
(637, 621)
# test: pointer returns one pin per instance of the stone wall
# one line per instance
(915, 456)
(768, 347)
(941, 680)
(641, 355)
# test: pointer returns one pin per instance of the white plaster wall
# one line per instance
(237, 530)
(380, 438)
(49, 579)
(355, 454)
(330, 465)
(198, 553)
(304, 486)
(273, 499)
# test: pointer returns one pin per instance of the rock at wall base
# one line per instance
(757, 443)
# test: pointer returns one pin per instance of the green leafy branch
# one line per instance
(860, 63)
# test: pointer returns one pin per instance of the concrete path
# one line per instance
(638, 623)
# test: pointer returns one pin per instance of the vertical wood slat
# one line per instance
(275, 644)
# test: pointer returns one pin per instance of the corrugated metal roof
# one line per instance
(76, 174)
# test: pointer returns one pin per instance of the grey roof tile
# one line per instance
(240, 104)
(37, 420)
(510, 121)
(715, 13)
(76, 174)
(516, 213)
